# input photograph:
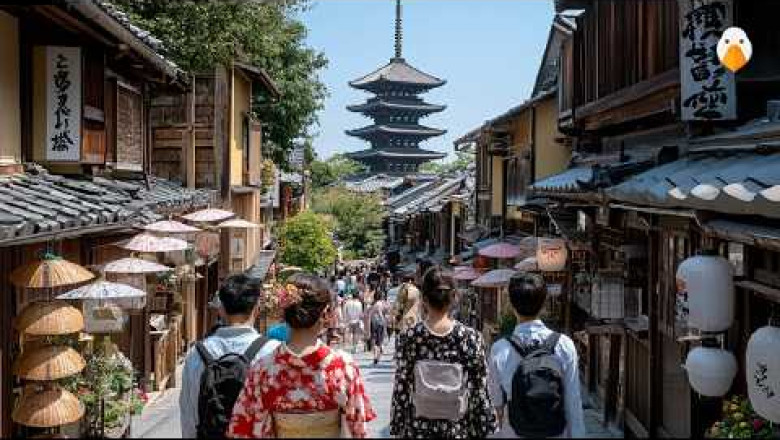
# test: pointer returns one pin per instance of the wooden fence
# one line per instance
(166, 347)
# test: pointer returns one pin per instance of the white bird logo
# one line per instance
(734, 49)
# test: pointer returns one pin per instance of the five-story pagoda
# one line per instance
(396, 110)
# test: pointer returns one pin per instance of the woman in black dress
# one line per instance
(440, 338)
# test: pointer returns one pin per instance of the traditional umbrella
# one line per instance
(208, 215)
(238, 223)
(51, 362)
(146, 242)
(527, 265)
(171, 227)
(47, 408)
(50, 272)
(494, 278)
(50, 318)
(104, 291)
(504, 251)
(528, 246)
(465, 273)
(132, 265)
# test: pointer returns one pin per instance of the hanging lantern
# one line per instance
(551, 254)
(710, 370)
(708, 281)
(762, 368)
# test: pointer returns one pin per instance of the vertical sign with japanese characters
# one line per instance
(63, 104)
(708, 89)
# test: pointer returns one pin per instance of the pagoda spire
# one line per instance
(399, 37)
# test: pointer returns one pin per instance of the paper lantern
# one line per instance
(710, 370)
(708, 279)
(762, 368)
(551, 254)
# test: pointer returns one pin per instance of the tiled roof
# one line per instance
(417, 130)
(397, 152)
(417, 106)
(37, 202)
(398, 71)
(375, 183)
(571, 180)
(432, 199)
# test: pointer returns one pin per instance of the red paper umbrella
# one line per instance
(500, 250)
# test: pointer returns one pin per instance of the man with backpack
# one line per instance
(215, 368)
(534, 379)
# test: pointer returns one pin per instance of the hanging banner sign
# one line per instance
(708, 89)
(63, 104)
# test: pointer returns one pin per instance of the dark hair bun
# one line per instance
(436, 290)
(315, 297)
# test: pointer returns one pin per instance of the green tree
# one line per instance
(358, 220)
(337, 167)
(306, 241)
(459, 163)
(200, 34)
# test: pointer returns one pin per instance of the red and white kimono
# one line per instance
(320, 380)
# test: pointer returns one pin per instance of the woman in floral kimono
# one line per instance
(304, 388)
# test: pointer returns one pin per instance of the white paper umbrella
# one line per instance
(135, 265)
(146, 242)
(208, 215)
(527, 265)
(171, 227)
(238, 223)
(108, 292)
(494, 278)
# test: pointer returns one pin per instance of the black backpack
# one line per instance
(536, 407)
(220, 385)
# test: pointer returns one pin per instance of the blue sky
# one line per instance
(487, 50)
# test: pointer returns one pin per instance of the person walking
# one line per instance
(377, 321)
(408, 307)
(353, 313)
(539, 359)
(440, 388)
(206, 401)
(304, 388)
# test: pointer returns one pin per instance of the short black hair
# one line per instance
(437, 292)
(239, 294)
(528, 293)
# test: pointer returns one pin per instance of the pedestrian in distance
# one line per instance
(304, 388)
(353, 313)
(408, 305)
(534, 378)
(377, 321)
(440, 388)
(214, 370)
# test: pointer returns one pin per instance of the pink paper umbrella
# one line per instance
(527, 265)
(465, 273)
(500, 250)
(494, 278)
(170, 227)
(146, 242)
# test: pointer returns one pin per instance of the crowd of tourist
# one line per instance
(303, 382)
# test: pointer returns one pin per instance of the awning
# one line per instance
(732, 182)
(571, 180)
(746, 233)
(259, 270)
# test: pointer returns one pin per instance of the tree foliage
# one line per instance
(459, 163)
(339, 166)
(306, 241)
(200, 34)
(358, 220)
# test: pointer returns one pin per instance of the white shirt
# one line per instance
(341, 285)
(353, 309)
(225, 340)
(504, 360)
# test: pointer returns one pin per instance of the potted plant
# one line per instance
(740, 421)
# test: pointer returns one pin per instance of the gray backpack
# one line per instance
(440, 390)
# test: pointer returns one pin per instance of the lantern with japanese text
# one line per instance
(710, 370)
(762, 367)
(551, 254)
(708, 280)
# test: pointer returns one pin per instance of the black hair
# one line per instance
(528, 293)
(437, 292)
(315, 297)
(239, 294)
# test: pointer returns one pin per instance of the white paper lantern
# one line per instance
(762, 368)
(551, 254)
(708, 279)
(711, 370)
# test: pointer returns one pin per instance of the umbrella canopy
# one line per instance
(51, 362)
(238, 223)
(494, 278)
(49, 318)
(135, 265)
(500, 250)
(171, 227)
(106, 291)
(528, 247)
(527, 265)
(47, 408)
(208, 215)
(50, 272)
(465, 273)
(146, 242)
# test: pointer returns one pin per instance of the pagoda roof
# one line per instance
(403, 130)
(374, 106)
(397, 153)
(400, 72)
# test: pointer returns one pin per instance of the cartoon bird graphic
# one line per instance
(734, 49)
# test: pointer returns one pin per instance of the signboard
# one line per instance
(63, 104)
(708, 90)
(296, 157)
